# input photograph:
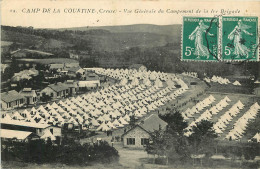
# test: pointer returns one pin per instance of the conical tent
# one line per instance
(94, 122)
(236, 83)
(158, 83)
(7, 117)
(123, 121)
(124, 81)
(47, 135)
(17, 116)
(54, 105)
(257, 137)
(103, 127)
(26, 113)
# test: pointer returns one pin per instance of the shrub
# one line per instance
(69, 152)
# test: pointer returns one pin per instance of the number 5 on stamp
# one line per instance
(200, 38)
(240, 38)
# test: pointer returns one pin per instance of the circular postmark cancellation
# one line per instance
(200, 38)
(206, 39)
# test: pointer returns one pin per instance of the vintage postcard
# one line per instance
(134, 84)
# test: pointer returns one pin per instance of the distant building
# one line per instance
(57, 66)
(138, 67)
(257, 91)
(30, 96)
(90, 76)
(74, 56)
(81, 72)
(70, 67)
(73, 87)
(11, 99)
(139, 136)
(73, 71)
(89, 84)
(55, 91)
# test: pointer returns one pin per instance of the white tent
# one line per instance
(47, 135)
(103, 127)
(257, 137)
(17, 116)
(236, 83)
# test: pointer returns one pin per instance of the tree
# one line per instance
(175, 122)
(161, 144)
(202, 139)
(175, 130)
(132, 121)
(45, 98)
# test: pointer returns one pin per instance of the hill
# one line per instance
(119, 38)
(171, 30)
(26, 39)
(157, 47)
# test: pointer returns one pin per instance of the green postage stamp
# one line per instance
(240, 38)
(200, 38)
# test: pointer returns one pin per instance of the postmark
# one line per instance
(239, 38)
(200, 38)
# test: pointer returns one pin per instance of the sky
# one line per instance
(31, 13)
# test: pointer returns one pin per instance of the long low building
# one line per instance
(11, 99)
(36, 128)
(6, 134)
(89, 84)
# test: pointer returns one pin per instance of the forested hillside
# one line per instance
(157, 47)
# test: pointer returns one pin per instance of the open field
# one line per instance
(49, 61)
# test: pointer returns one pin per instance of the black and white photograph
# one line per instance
(104, 85)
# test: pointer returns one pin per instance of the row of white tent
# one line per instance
(241, 124)
(227, 117)
(198, 107)
(134, 76)
(208, 113)
(221, 80)
(191, 74)
(106, 109)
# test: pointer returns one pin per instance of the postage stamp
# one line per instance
(240, 38)
(200, 38)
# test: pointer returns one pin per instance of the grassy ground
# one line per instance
(49, 61)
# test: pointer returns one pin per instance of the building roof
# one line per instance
(56, 66)
(11, 96)
(150, 124)
(20, 135)
(58, 87)
(71, 83)
(135, 66)
(72, 69)
(88, 83)
(92, 75)
(23, 123)
(28, 92)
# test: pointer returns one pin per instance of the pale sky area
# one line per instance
(25, 12)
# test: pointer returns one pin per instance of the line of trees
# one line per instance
(68, 152)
